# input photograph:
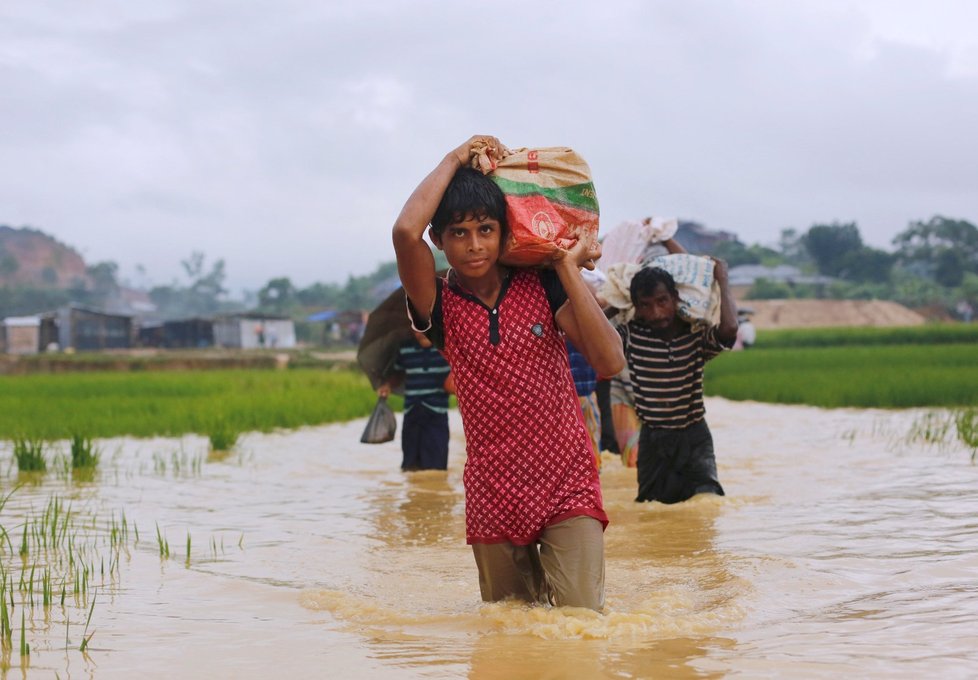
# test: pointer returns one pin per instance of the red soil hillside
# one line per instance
(31, 258)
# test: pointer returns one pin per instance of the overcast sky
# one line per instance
(283, 136)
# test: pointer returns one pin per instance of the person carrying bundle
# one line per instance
(666, 356)
(533, 507)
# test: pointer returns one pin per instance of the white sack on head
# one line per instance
(699, 293)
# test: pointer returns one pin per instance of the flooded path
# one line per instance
(841, 549)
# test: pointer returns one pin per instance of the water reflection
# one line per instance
(425, 510)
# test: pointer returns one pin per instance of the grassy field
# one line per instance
(927, 366)
(172, 403)
(867, 375)
(930, 334)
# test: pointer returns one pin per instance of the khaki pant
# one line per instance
(565, 567)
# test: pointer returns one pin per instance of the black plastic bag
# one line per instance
(381, 426)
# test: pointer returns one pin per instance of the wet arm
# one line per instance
(584, 322)
(727, 330)
(673, 246)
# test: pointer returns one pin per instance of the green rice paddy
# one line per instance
(144, 404)
(867, 376)
(926, 366)
(929, 334)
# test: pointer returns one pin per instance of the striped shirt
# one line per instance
(667, 375)
(425, 370)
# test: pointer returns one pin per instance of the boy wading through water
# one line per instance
(533, 508)
(666, 358)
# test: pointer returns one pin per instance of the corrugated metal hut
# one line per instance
(20, 335)
(82, 329)
(188, 333)
(254, 330)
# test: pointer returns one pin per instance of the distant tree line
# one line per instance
(934, 263)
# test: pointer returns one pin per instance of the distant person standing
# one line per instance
(425, 375)
(965, 310)
(666, 356)
(746, 333)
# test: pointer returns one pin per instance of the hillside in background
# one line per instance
(31, 258)
(829, 313)
(932, 269)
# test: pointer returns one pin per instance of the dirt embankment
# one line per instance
(825, 313)
(172, 360)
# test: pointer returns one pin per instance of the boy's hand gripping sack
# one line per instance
(550, 202)
(381, 426)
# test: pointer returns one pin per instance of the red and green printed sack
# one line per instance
(550, 203)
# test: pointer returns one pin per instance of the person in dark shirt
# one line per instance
(665, 357)
(424, 433)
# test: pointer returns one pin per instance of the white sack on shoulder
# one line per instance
(699, 293)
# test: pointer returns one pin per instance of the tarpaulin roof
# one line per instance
(324, 315)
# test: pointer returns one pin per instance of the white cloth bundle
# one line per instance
(699, 293)
(631, 241)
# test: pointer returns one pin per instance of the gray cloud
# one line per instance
(285, 136)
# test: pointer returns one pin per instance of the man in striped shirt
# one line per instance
(666, 356)
(424, 434)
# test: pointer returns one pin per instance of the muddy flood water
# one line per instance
(842, 549)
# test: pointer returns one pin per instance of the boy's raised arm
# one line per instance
(582, 319)
(415, 263)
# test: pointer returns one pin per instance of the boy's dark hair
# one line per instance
(470, 194)
(645, 281)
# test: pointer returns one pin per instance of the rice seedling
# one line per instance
(932, 428)
(188, 549)
(941, 428)
(966, 422)
(6, 634)
(29, 454)
(4, 536)
(84, 454)
(222, 436)
(86, 637)
(163, 544)
(25, 649)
